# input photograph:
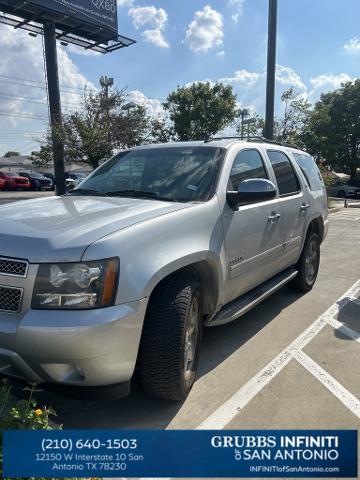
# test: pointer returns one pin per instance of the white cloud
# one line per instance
(125, 3)
(23, 95)
(326, 83)
(156, 37)
(205, 31)
(243, 78)
(153, 105)
(353, 45)
(154, 20)
(237, 8)
(288, 76)
(221, 54)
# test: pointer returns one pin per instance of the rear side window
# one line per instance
(310, 171)
(247, 164)
(286, 178)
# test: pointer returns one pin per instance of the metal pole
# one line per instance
(271, 66)
(55, 106)
(242, 124)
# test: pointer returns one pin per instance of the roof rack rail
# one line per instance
(250, 139)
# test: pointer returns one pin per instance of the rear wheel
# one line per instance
(308, 265)
(170, 344)
(341, 194)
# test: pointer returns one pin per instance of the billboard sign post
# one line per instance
(91, 24)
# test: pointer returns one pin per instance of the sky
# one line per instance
(179, 42)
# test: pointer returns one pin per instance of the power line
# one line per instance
(30, 99)
(9, 77)
(42, 87)
(23, 115)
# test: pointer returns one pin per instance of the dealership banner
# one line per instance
(180, 453)
(100, 12)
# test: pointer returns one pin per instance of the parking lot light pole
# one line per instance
(271, 69)
(54, 106)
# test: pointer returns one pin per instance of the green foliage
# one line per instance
(43, 156)
(22, 415)
(333, 130)
(289, 128)
(201, 110)
(11, 154)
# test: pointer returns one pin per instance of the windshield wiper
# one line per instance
(140, 194)
(87, 191)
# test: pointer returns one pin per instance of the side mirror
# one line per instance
(253, 190)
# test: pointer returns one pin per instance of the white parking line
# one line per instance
(232, 407)
(347, 398)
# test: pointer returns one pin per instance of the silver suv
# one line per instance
(124, 271)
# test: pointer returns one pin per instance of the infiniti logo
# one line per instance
(107, 5)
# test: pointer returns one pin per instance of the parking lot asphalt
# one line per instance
(15, 196)
(292, 362)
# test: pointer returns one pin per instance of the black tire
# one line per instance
(8, 186)
(305, 279)
(341, 194)
(162, 348)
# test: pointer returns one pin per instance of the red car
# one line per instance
(13, 181)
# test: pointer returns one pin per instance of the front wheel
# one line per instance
(308, 265)
(170, 344)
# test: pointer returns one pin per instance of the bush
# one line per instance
(22, 414)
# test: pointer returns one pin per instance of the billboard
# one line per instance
(93, 19)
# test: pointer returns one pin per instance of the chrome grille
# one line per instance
(10, 299)
(13, 267)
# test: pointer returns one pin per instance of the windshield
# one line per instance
(176, 173)
(9, 174)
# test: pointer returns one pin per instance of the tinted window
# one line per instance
(284, 173)
(179, 173)
(310, 171)
(247, 164)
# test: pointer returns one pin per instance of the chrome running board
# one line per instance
(246, 302)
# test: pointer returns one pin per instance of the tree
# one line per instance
(161, 131)
(333, 130)
(201, 110)
(11, 154)
(289, 128)
(43, 156)
(99, 128)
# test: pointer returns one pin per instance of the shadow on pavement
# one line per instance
(349, 315)
(138, 410)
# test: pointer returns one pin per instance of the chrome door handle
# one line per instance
(304, 207)
(273, 217)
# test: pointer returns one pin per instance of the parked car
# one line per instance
(344, 190)
(73, 179)
(51, 176)
(37, 181)
(157, 243)
(13, 181)
(2, 183)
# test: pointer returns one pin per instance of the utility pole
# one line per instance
(244, 112)
(54, 105)
(271, 67)
(106, 82)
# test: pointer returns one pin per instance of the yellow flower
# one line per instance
(38, 412)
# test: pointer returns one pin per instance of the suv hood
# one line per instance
(59, 229)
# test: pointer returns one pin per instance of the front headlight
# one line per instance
(82, 285)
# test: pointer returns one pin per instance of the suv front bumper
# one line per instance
(80, 348)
